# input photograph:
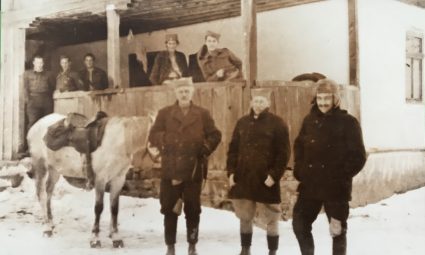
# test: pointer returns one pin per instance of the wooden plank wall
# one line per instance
(227, 102)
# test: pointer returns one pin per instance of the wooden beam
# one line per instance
(353, 43)
(113, 45)
(249, 23)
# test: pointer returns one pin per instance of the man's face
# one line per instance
(325, 101)
(211, 43)
(184, 95)
(65, 64)
(259, 104)
(171, 45)
(89, 62)
(38, 64)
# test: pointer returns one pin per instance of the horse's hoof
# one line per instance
(95, 244)
(117, 243)
(48, 233)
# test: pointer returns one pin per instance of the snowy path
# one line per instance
(393, 226)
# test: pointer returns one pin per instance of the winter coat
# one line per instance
(259, 147)
(210, 63)
(99, 79)
(184, 141)
(162, 67)
(38, 88)
(329, 152)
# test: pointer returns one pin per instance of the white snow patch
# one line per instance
(392, 226)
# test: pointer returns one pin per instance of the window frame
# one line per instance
(409, 56)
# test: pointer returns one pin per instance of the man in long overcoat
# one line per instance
(186, 135)
(329, 152)
(258, 154)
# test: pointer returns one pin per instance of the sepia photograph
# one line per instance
(207, 127)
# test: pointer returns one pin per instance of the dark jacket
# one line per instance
(99, 79)
(223, 58)
(185, 142)
(259, 147)
(69, 81)
(162, 66)
(329, 152)
(38, 87)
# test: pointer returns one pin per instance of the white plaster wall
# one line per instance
(388, 121)
(291, 41)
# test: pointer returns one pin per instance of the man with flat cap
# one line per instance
(185, 135)
(218, 64)
(258, 154)
(329, 152)
(169, 64)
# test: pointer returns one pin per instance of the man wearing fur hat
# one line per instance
(257, 157)
(185, 135)
(329, 152)
(218, 64)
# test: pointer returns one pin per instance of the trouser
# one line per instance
(190, 193)
(269, 214)
(305, 213)
(36, 109)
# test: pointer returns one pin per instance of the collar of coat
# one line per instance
(185, 120)
(262, 115)
(203, 53)
(336, 110)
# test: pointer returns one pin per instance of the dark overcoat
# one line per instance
(99, 79)
(185, 142)
(162, 66)
(329, 152)
(259, 147)
(224, 59)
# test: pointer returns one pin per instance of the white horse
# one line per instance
(123, 137)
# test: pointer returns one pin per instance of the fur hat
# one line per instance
(212, 34)
(329, 86)
(182, 82)
(171, 37)
(261, 93)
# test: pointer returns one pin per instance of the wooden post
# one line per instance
(113, 45)
(249, 23)
(353, 42)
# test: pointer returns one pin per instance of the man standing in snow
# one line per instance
(186, 135)
(329, 152)
(257, 157)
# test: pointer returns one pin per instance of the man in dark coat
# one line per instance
(218, 64)
(169, 64)
(329, 152)
(258, 154)
(67, 79)
(93, 77)
(186, 135)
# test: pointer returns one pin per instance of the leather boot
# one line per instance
(246, 250)
(171, 250)
(192, 249)
(273, 244)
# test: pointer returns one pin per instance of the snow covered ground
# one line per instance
(392, 226)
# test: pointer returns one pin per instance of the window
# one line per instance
(414, 67)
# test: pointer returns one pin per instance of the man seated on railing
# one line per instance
(218, 64)
(93, 77)
(67, 79)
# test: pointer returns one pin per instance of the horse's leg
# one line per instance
(116, 185)
(52, 179)
(41, 176)
(98, 208)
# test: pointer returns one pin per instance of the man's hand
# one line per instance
(220, 73)
(232, 180)
(176, 182)
(269, 181)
